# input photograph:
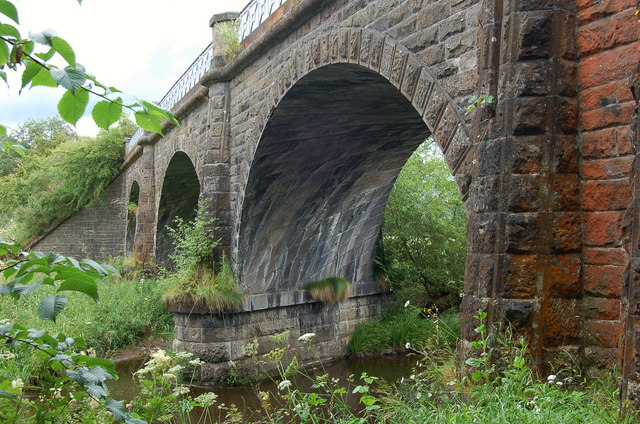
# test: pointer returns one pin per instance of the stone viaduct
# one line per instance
(295, 145)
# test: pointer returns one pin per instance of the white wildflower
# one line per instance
(306, 337)
(176, 369)
(284, 384)
(160, 357)
(207, 399)
(551, 378)
(169, 376)
(180, 390)
(407, 303)
(184, 355)
(419, 395)
(196, 362)
(559, 383)
(17, 383)
(451, 383)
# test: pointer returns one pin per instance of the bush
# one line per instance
(198, 280)
(423, 248)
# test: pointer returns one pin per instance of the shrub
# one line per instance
(198, 280)
(330, 290)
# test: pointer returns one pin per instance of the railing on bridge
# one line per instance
(185, 83)
(255, 13)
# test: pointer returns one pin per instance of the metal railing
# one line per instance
(255, 13)
(185, 83)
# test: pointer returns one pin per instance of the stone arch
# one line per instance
(180, 192)
(132, 214)
(321, 176)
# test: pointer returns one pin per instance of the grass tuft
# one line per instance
(330, 290)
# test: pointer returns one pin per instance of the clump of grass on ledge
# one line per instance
(198, 280)
(217, 291)
(330, 290)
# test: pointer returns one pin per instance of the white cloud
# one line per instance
(140, 46)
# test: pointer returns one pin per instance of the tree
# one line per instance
(423, 247)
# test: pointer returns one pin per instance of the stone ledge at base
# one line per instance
(218, 339)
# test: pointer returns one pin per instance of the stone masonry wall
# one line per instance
(607, 42)
(97, 232)
(218, 339)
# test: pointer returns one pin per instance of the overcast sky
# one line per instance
(139, 46)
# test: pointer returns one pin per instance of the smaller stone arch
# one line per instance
(132, 217)
(178, 199)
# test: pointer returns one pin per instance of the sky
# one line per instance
(139, 46)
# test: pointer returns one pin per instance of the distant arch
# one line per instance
(178, 199)
(132, 217)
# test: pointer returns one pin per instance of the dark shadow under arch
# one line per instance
(179, 199)
(320, 179)
(132, 215)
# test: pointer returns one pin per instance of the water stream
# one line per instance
(245, 397)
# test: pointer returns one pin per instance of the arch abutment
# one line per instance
(216, 185)
(525, 241)
(630, 338)
(144, 242)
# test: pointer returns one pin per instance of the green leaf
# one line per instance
(3, 130)
(4, 53)
(72, 106)
(7, 395)
(26, 288)
(46, 56)
(43, 78)
(9, 10)
(87, 286)
(10, 30)
(97, 391)
(70, 78)
(3, 75)
(148, 122)
(65, 50)
(29, 72)
(117, 409)
(152, 109)
(106, 113)
(45, 37)
(51, 306)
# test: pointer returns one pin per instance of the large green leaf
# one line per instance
(9, 10)
(3, 130)
(29, 72)
(10, 30)
(87, 286)
(70, 78)
(106, 113)
(45, 37)
(51, 306)
(43, 78)
(65, 50)
(72, 106)
(148, 122)
(4, 53)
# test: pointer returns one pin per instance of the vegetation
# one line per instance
(70, 173)
(230, 37)
(330, 290)
(407, 329)
(423, 248)
(198, 280)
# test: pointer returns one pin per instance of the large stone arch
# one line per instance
(179, 194)
(266, 258)
(379, 54)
